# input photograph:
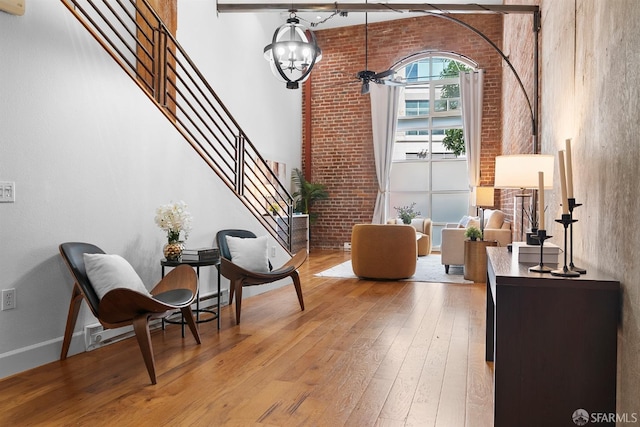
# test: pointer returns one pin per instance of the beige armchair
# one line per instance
(452, 246)
(423, 227)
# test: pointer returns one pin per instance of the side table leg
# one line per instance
(218, 303)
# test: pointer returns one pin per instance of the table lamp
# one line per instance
(521, 171)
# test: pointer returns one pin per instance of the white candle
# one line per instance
(541, 199)
(563, 183)
(569, 170)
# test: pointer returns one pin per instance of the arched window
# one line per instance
(429, 164)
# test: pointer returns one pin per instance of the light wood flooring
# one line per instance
(363, 353)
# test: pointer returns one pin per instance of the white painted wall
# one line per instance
(92, 158)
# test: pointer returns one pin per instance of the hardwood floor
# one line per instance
(363, 353)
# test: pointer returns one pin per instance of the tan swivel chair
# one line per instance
(383, 251)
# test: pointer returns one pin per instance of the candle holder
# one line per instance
(541, 236)
(572, 206)
(566, 220)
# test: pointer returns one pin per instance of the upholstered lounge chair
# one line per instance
(424, 228)
(383, 251)
(452, 247)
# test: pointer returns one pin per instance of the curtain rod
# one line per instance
(375, 7)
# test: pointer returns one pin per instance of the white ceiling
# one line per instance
(354, 18)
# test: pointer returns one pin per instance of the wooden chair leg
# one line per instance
(187, 314)
(231, 292)
(141, 328)
(296, 283)
(74, 309)
(238, 286)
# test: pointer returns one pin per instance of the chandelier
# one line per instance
(293, 52)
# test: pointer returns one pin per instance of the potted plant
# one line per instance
(407, 213)
(174, 218)
(473, 233)
(306, 194)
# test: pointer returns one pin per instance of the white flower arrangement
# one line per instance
(174, 218)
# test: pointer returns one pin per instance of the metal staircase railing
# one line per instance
(137, 39)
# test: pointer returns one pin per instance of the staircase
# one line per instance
(137, 39)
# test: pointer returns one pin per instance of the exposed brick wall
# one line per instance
(341, 139)
(517, 126)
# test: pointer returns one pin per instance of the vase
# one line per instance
(173, 251)
(531, 240)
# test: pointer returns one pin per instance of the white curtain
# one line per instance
(471, 95)
(384, 113)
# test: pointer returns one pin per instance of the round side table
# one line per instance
(475, 259)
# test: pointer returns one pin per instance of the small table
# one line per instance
(475, 259)
(215, 315)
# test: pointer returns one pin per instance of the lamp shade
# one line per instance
(521, 171)
(292, 53)
(482, 197)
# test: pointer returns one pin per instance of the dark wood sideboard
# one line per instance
(553, 341)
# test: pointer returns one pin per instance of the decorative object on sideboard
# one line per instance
(571, 201)
(572, 206)
(175, 219)
(532, 214)
(565, 220)
(541, 233)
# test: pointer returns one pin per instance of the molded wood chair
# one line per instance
(239, 277)
(121, 307)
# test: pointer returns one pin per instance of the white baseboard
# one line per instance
(25, 358)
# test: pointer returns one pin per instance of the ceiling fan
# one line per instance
(366, 76)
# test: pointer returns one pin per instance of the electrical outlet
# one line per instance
(7, 192)
(8, 299)
(273, 252)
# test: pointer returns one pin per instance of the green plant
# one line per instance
(274, 208)
(473, 233)
(306, 194)
(454, 141)
(407, 213)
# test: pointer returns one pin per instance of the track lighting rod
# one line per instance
(375, 7)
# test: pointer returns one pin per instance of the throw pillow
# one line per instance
(495, 220)
(249, 253)
(107, 272)
(464, 221)
(473, 222)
